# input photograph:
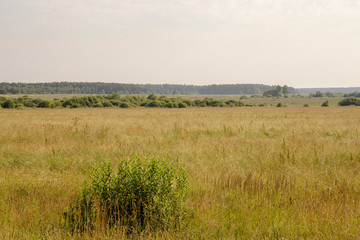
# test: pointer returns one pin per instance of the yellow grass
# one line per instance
(254, 173)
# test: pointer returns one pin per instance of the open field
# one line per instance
(254, 173)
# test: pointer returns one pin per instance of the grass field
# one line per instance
(254, 173)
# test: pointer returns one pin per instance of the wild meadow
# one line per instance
(253, 173)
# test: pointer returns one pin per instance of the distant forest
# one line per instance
(121, 88)
(331, 90)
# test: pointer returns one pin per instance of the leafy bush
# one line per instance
(350, 101)
(125, 105)
(143, 194)
(43, 104)
(107, 104)
(98, 105)
(154, 104)
(75, 105)
(182, 105)
(152, 97)
(325, 104)
(19, 106)
(9, 103)
(169, 105)
(306, 105)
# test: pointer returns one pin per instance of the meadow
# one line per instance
(254, 173)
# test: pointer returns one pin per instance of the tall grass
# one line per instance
(143, 195)
(256, 173)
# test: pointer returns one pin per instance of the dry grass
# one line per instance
(259, 173)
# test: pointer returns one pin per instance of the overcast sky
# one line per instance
(302, 43)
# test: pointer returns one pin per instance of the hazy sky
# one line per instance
(302, 43)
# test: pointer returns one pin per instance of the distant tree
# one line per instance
(354, 94)
(273, 92)
(285, 90)
(329, 94)
(317, 94)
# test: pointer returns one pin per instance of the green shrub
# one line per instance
(43, 104)
(20, 106)
(182, 105)
(169, 105)
(279, 105)
(242, 97)
(107, 104)
(152, 97)
(75, 105)
(98, 105)
(154, 104)
(125, 105)
(9, 103)
(325, 104)
(144, 194)
(306, 105)
(350, 101)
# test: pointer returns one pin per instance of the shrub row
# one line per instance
(115, 100)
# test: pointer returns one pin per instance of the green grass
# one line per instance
(253, 173)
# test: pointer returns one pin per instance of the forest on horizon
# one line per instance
(124, 88)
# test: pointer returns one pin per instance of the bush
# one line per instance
(9, 103)
(143, 194)
(169, 105)
(350, 101)
(75, 105)
(20, 106)
(306, 105)
(43, 104)
(325, 104)
(152, 97)
(153, 104)
(279, 105)
(107, 104)
(125, 105)
(182, 105)
(52, 104)
(98, 105)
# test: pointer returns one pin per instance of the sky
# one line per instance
(301, 43)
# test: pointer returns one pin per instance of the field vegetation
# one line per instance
(169, 101)
(252, 173)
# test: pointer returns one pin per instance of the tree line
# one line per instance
(121, 88)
